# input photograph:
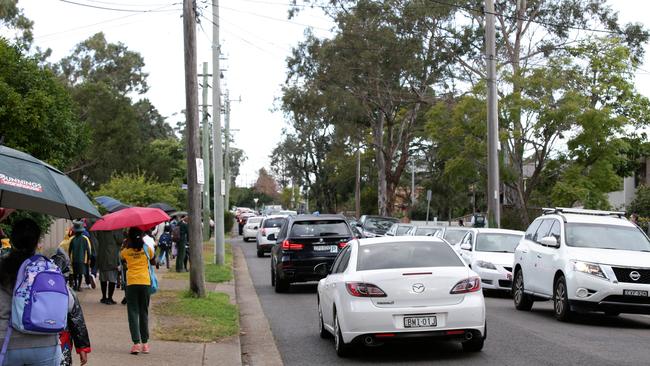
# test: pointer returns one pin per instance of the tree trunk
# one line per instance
(382, 189)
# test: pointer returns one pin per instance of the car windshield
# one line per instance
(606, 237)
(406, 255)
(269, 223)
(319, 228)
(426, 230)
(499, 243)
(379, 223)
(455, 236)
(402, 229)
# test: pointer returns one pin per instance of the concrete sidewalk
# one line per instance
(111, 342)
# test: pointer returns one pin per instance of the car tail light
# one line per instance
(286, 245)
(361, 289)
(343, 244)
(471, 284)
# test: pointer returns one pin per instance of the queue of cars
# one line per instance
(397, 283)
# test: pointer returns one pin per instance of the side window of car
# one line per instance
(337, 262)
(530, 233)
(555, 230)
(341, 261)
(543, 230)
(283, 231)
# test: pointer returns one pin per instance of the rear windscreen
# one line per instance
(319, 228)
(254, 220)
(277, 223)
(406, 255)
(455, 236)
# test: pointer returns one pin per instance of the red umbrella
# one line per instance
(143, 218)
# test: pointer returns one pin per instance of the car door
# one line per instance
(533, 281)
(332, 282)
(523, 255)
(546, 258)
(466, 254)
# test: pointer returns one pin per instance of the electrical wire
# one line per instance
(119, 9)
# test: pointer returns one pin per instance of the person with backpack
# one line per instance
(108, 262)
(165, 245)
(137, 257)
(79, 253)
(27, 338)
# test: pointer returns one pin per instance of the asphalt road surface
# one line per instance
(514, 337)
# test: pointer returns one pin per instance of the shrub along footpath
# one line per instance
(182, 317)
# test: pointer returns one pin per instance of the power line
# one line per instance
(119, 9)
(233, 34)
(122, 4)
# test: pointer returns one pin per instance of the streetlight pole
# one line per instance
(494, 203)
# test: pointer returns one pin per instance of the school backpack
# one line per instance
(176, 233)
(40, 298)
(165, 240)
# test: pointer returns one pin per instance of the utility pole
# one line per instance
(205, 139)
(219, 239)
(197, 285)
(494, 204)
(226, 153)
(357, 186)
(412, 183)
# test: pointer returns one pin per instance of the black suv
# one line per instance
(304, 242)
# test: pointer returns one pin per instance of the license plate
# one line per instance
(419, 321)
(635, 293)
(326, 248)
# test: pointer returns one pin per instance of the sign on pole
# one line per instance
(223, 187)
(200, 176)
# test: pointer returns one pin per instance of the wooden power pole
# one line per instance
(197, 285)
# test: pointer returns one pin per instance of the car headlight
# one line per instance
(486, 265)
(589, 268)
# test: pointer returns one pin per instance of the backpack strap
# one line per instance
(5, 344)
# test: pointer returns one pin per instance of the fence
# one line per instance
(55, 234)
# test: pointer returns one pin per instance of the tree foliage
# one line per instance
(137, 189)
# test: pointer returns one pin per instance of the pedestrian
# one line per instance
(137, 257)
(461, 222)
(634, 218)
(79, 253)
(182, 244)
(165, 245)
(91, 269)
(23, 348)
(108, 262)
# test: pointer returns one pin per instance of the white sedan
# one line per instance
(490, 253)
(251, 227)
(400, 288)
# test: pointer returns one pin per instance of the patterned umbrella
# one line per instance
(27, 183)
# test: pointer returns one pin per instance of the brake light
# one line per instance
(361, 289)
(471, 284)
(343, 244)
(454, 332)
(286, 245)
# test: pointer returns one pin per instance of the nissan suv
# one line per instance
(304, 242)
(583, 260)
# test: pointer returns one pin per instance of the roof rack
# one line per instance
(581, 211)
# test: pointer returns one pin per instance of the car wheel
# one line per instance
(281, 286)
(246, 239)
(561, 308)
(272, 277)
(260, 253)
(521, 299)
(342, 349)
(321, 326)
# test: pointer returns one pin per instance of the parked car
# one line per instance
(355, 226)
(372, 226)
(584, 260)
(288, 213)
(399, 289)
(270, 225)
(251, 227)
(490, 253)
(399, 229)
(424, 230)
(304, 242)
(452, 234)
(242, 219)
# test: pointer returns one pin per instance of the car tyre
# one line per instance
(281, 286)
(260, 253)
(246, 239)
(321, 326)
(522, 301)
(342, 349)
(561, 307)
(272, 277)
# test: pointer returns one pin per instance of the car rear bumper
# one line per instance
(455, 334)
(360, 318)
(302, 270)
(266, 248)
(249, 233)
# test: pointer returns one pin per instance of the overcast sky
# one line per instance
(256, 38)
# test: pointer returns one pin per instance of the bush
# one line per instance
(641, 203)
(228, 221)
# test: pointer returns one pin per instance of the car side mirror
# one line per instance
(254, 227)
(271, 237)
(550, 241)
(466, 246)
(321, 269)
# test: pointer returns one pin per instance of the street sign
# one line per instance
(428, 195)
(223, 187)
(200, 173)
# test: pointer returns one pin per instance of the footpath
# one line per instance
(109, 333)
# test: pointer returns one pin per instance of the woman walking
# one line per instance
(137, 257)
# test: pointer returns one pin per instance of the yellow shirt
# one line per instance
(137, 266)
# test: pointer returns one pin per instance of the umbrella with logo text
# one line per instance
(27, 183)
(143, 218)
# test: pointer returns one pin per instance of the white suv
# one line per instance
(584, 260)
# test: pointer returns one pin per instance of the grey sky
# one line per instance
(256, 38)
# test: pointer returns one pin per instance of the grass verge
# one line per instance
(213, 272)
(182, 317)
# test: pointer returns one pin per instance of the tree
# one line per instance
(265, 184)
(139, 190)
(641, 203)
(13, 18)
(237, 158)
(37, 114)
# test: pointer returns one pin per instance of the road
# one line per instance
(514, 337)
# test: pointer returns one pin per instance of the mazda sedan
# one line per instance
(388, 289)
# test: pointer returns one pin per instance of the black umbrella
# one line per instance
(163, 206)
(27, 183)
(111, 204)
